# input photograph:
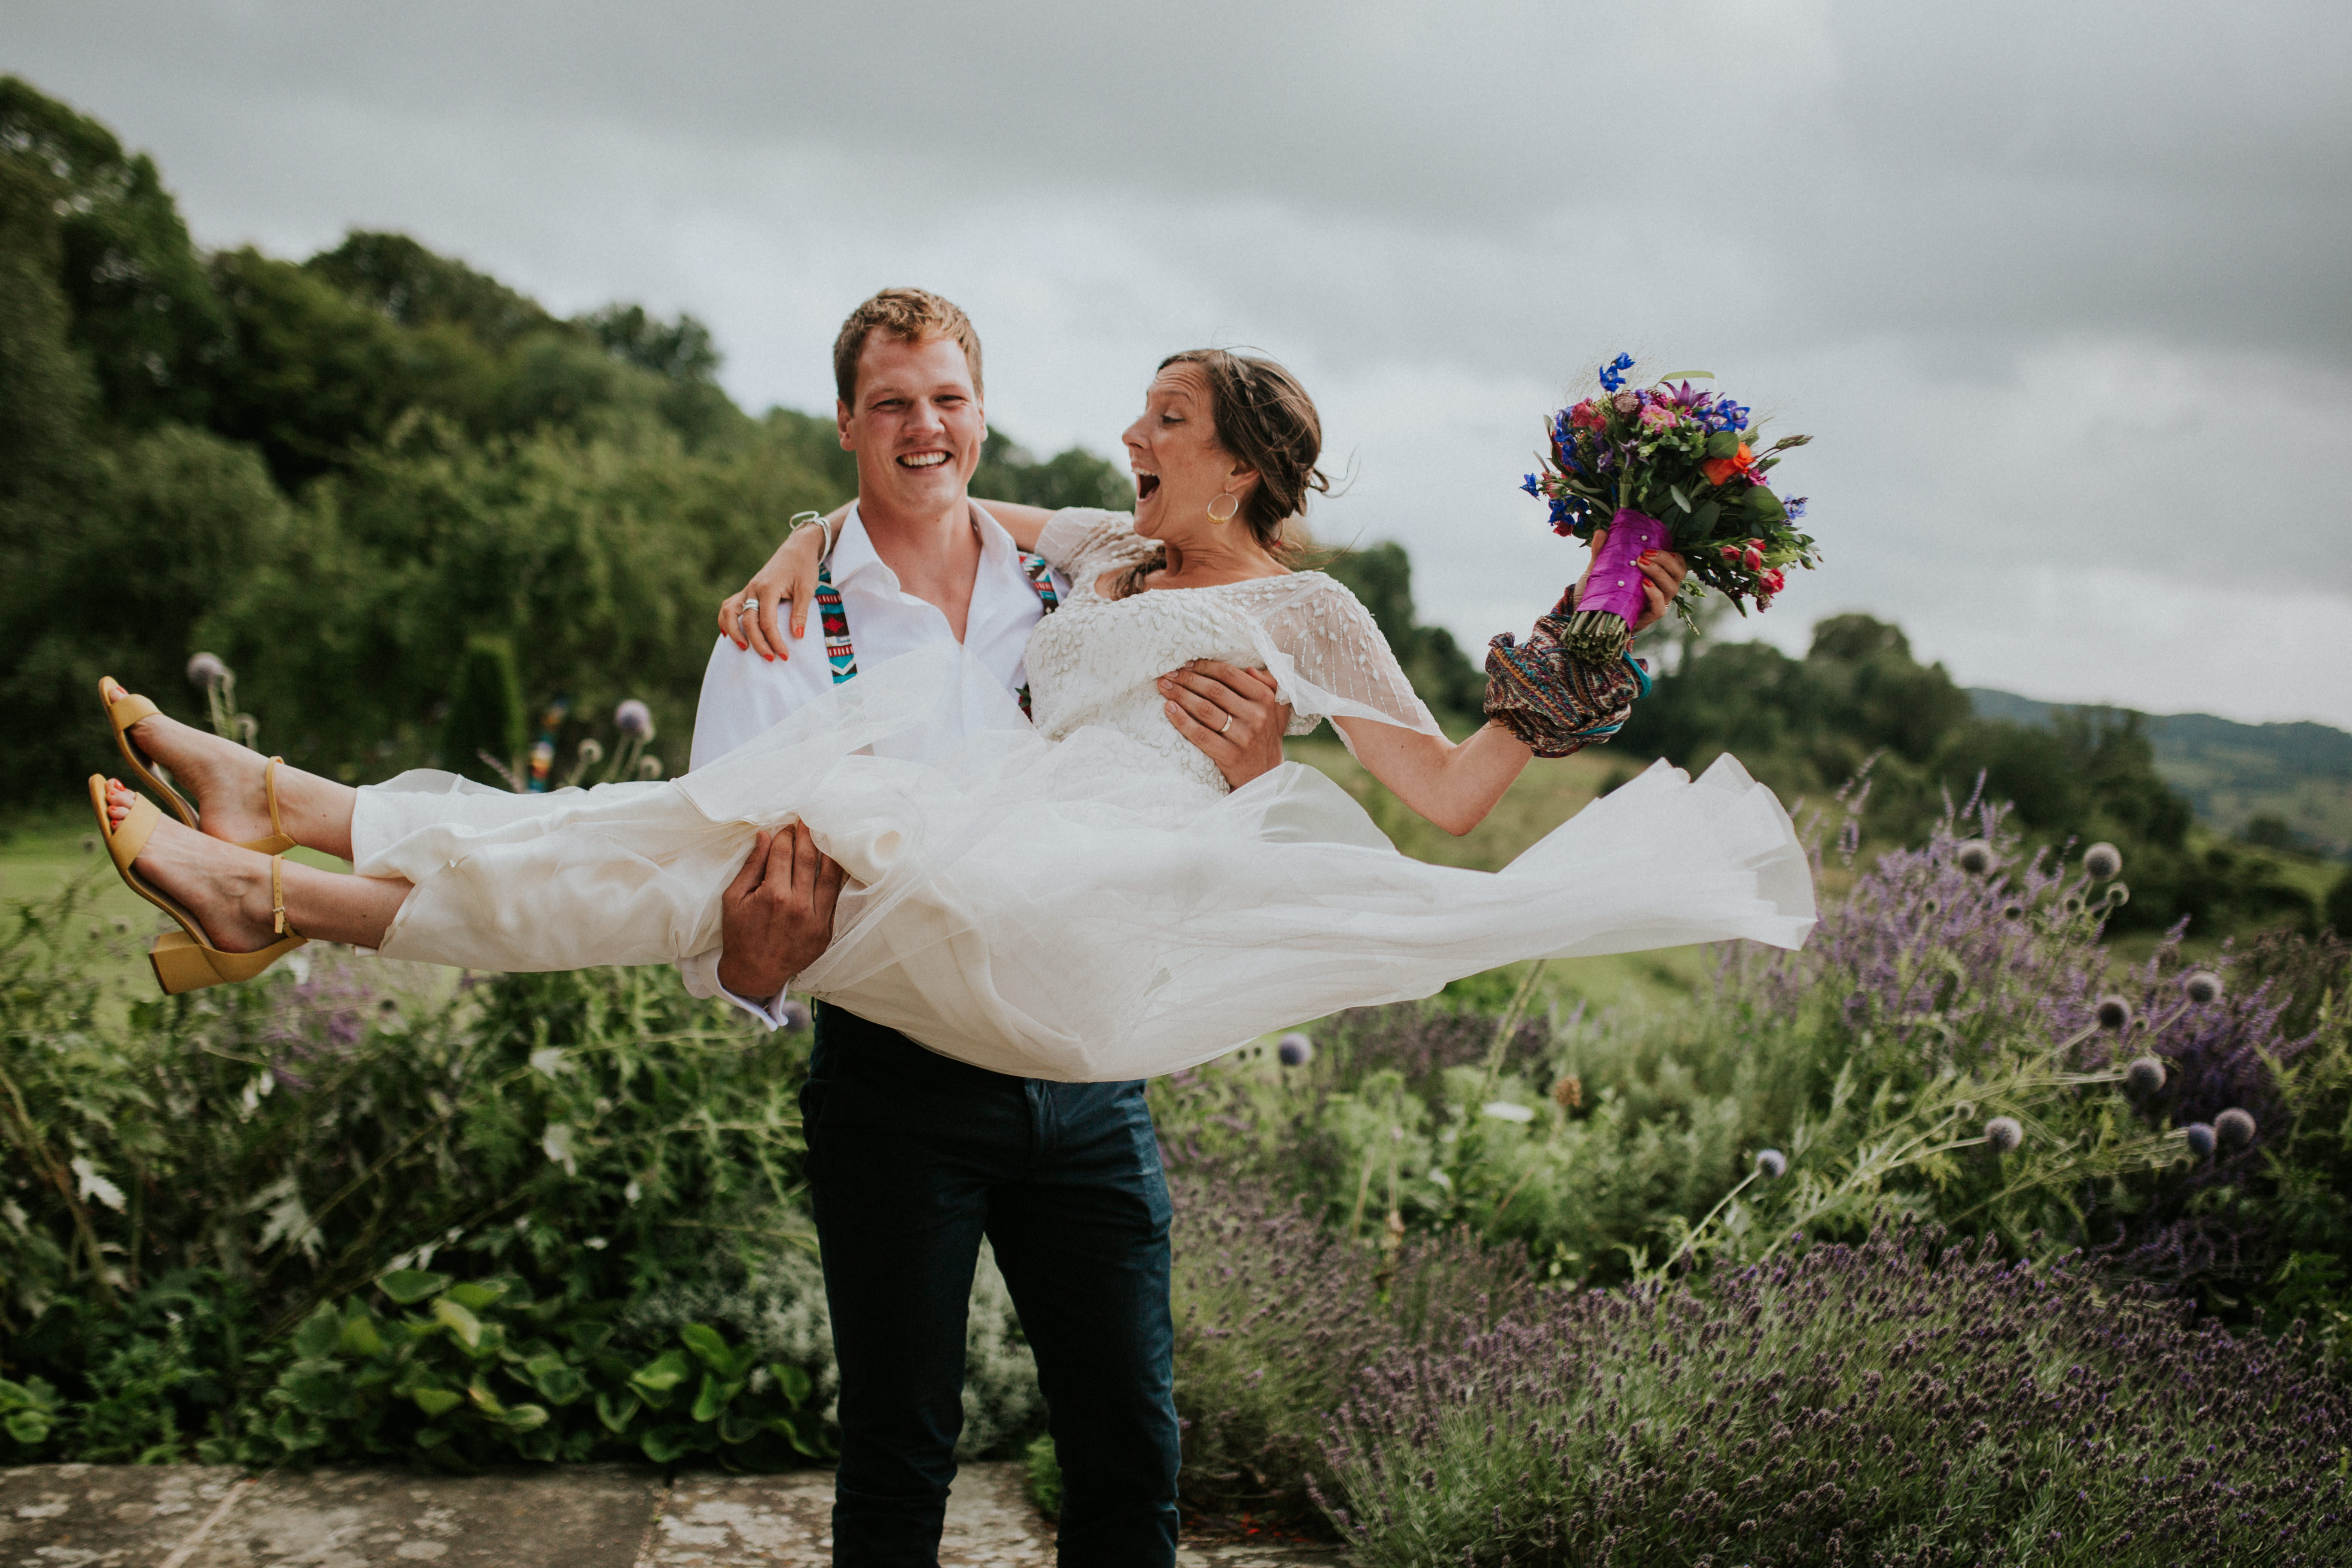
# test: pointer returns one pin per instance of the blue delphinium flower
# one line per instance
(1795, 507)
(1612, 374)
(1532, 484)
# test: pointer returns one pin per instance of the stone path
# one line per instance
(584, 1516)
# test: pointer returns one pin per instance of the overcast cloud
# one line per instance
(2061, 289)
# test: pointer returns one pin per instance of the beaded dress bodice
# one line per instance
(1096, 662)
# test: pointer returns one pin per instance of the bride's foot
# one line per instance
(224, 887)
(227, 782)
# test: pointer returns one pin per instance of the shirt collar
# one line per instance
(853, 548)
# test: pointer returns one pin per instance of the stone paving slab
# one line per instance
(584, 1516)
(578, 1516)
(105, 1516)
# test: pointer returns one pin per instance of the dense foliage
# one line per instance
(1859, 699)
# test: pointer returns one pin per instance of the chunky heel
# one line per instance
(184, 960)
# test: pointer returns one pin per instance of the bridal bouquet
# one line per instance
(1669, 467)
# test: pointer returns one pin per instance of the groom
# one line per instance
(912, 1157)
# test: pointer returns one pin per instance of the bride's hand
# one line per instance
(1663, 571)
(788, 578)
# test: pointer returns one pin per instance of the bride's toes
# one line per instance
(225, 780)
(117, 802)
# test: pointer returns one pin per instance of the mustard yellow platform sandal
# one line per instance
(123, 710)
(184, 960)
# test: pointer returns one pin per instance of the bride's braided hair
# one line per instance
(1264, 418)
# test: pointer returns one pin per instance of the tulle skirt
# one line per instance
(1070, 911)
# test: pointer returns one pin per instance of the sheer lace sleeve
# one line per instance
(1081, 541)
(1331, 661)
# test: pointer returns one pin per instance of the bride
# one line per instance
(1073, 893)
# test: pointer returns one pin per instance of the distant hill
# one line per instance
(2236, 774)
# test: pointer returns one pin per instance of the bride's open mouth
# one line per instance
(1145, 483)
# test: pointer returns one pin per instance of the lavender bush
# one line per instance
(1902, 1402)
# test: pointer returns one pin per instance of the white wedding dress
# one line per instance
(1082, 900)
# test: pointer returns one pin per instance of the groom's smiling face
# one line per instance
(917, 424)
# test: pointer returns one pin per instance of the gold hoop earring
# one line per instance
(1232, 506)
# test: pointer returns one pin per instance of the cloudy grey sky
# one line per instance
(2062, 288)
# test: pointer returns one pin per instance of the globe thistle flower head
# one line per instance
(2144, 1076)
(2004, 1133)
(1976, 858)
(1771, 1164)
(2199, 1137)
(207, 670)
(1295, 1049)
(2113, 1012)
(2234, 1129)
(2103, 862)
(2012, 911)
(634, 720)
(2202, 985)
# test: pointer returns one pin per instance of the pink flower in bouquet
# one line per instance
(1774, 582)
(1754, 555)
(1660, 416)
(1626, 402)
(1584, 417)
(1730, 552)
(1719, 470)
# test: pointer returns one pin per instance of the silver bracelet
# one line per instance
(801, 519)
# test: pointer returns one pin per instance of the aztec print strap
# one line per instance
(840, 655)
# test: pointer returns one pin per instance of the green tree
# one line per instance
(141, 311)
(486, 728)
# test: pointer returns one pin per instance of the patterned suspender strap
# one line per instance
(835, 622)
(1041, 583)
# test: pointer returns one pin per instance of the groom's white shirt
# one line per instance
(744, 695)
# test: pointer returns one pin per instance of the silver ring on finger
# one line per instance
(750, 607)
(1227, 725)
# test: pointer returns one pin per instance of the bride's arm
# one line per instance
(1455, 786)
(789, 579)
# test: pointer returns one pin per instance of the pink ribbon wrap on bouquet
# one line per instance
(1611, 601)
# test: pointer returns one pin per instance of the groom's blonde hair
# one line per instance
(909, 313)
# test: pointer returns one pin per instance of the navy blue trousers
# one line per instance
(912, 1159)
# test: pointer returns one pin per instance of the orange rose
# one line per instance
(1719, 470)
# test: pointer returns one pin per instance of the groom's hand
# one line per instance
(1231, 714)
(776, 919)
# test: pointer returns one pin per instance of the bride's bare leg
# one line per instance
(226, 780)
(228, 889)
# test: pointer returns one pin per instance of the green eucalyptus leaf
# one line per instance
(320, 1334)
(410, 1285)
(436, 1401)
(489, 1404)
(662, 1374)
(560, 1384)
(524, 1419)
(664, 1444)
(451, 1315)
(1681, 500)
(791, 1381)
(616, 1414)
(477, 1294)
(713, 1398)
